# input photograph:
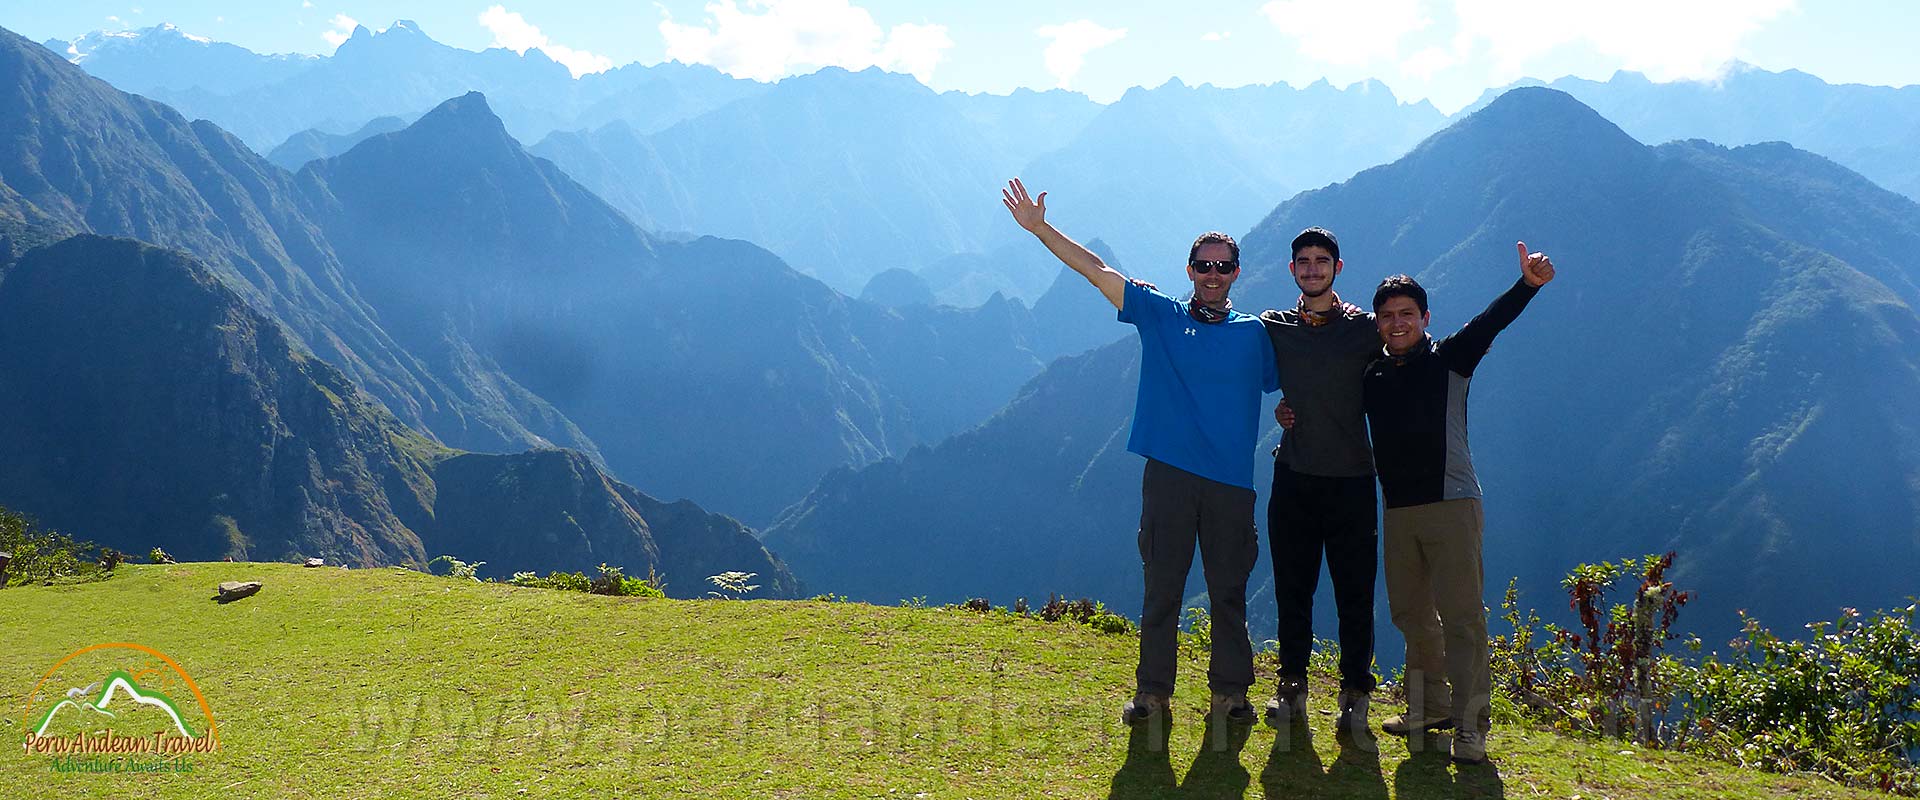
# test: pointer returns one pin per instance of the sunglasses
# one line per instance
(1222, 267)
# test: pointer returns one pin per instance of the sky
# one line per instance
(1445, 51)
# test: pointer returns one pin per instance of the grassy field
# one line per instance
(380, 683)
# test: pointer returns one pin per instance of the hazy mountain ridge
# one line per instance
(313, 144)
(843, 174)
(459, 235)
(162, 411)
(493, 303)
(397, 71)
(1160, 166)
(80, 156)
(1873, 130)
(164, 57)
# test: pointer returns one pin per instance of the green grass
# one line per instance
(379, 683)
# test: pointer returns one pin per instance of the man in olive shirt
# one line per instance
(1323, 492)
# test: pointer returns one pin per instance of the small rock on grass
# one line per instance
(235, 590)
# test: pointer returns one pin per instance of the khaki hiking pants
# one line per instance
(1434, 587)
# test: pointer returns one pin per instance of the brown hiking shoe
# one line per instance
(1401, 724)
(1469, 747)
(1143, 707)
(1289, 702)
(1353, 711)
(1234, 706)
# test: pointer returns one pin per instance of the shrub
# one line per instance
(1085, 611)
(614, 582)
(458, 569)
(1108, 622)
(1845, 704)
(1611, 669)
(732, 585)
(609, 581)
(562, 581)
(158, 556)
(1059, 608)
(48, 557)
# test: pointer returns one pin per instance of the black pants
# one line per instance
(1178, 509)
(1308, 515)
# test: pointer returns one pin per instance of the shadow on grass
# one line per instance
(1428, 772)
(1216, 771)
(1294, 768)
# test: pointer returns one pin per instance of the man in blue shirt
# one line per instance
(1203, 367)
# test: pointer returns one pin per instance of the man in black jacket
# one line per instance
(1416, 403)
(1322, 503)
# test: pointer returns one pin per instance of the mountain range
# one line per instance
(494, 305)
(396, 71)
(1872, 130)
(162, 410)
(1146, 172)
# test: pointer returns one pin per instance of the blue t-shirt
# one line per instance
(1200, 386)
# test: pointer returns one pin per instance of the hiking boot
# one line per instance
(1234, 706)
(1353, 711)
(1142, 707)
(1469, 747)
(1401, 724)
(1289, 702)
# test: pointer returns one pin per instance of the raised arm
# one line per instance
(1464, 350)
(1031, 213)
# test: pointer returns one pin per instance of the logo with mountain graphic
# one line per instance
(141, 712)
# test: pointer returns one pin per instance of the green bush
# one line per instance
(49, 557)
(458, 569)
(1084, 611)
(1608, 676)
(1109, 622)
(1845, 704)
(562, 581)
(609, 581)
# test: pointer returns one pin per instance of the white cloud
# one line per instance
(343, 26)
(1350, 33)
(306, 3)
(1071, 44)
(915, 49)
(771, 39)
(514, 32)
(1424, 64)
(1667, 39)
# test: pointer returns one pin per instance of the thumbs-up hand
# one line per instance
(1535, 268)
